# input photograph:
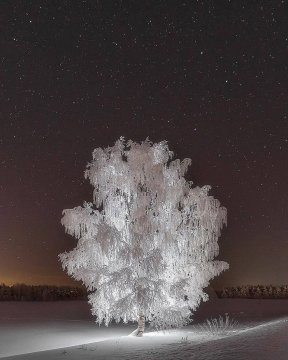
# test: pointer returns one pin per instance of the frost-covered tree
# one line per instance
(147, 242)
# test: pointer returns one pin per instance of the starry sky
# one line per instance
(210, 77)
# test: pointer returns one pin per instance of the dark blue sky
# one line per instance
(208, 76)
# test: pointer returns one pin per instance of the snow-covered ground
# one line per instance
(66, 330)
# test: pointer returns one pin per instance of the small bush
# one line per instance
(220, 326)
(184, 340)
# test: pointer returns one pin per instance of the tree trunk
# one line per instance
(141, 325)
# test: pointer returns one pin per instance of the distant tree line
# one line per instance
(254, 292)
(23, 292)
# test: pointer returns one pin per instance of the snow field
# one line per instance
(66, 330)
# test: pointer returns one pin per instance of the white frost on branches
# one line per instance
(147, 242)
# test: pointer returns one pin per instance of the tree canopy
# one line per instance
(146, 243)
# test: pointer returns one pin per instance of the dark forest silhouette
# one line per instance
(23, 292)
(254, 292)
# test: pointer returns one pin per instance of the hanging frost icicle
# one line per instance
(147, 243)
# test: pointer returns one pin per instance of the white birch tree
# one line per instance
(146, 243)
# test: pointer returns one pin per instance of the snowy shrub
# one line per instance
(220, 326)
(184, 340)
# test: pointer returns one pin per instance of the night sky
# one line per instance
(208, 76)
